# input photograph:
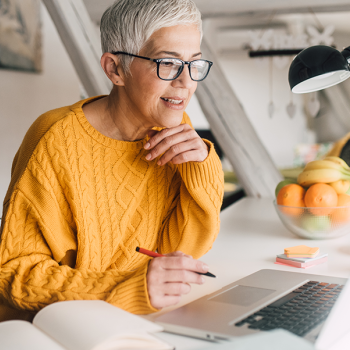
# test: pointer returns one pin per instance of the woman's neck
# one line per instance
(113, 119)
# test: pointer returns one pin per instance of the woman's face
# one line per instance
(147, 93)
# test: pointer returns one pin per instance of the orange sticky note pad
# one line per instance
(301, 251)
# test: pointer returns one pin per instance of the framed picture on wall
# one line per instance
(20, 35)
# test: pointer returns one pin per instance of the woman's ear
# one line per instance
(112, 67)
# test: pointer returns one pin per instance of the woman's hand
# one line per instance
(180, 144)
(169, 277)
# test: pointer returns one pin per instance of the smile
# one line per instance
(175, 102)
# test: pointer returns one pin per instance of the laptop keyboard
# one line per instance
(299, 311)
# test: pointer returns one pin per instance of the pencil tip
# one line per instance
(137, 249)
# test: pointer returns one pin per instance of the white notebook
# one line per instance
(82, 325)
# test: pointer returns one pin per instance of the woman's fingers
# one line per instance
(165, 133)
(176, 149)
(183, 263)
(194, 150)
(181, 141)
(176, 288)
(189, 156)
(183, 276)
(178, 253)
(190, 151)
(170, 277)
(161, 145)
(161, 276)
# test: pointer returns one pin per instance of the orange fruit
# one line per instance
(321, 196)
(342, 214)
(292, 196)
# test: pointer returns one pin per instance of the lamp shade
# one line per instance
(317, 68)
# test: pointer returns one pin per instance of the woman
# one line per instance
(93, 181)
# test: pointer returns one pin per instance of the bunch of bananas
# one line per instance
(330, 170)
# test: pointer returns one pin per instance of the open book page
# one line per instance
(20, 335)
(93, 324)
(142, 341)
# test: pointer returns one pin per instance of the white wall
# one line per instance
(250, 82)
(196, 115)
(279, 133)
(25, 96)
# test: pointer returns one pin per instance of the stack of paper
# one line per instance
(301, 251)
(301, 257)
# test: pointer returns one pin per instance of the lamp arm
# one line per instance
(346, 53)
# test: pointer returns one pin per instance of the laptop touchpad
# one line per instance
(242, 295)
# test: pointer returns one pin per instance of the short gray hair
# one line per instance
(128, 24)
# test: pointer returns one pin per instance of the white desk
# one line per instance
(251, 235)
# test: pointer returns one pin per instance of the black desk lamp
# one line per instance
(318, 67)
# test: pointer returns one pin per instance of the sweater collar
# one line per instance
(77, 108)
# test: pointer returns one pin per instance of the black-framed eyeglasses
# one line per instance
(171, 68)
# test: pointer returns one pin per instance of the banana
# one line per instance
(326, 164)
(340, 186)
(310, 177)
(338, 160)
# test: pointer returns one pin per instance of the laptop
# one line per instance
(314, 307)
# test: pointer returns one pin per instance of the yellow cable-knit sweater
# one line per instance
(78, 205)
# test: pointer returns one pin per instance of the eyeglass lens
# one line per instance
(170, 68)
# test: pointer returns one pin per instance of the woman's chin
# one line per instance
(171, 120)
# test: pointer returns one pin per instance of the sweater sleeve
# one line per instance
(192, 221)
(31, 276)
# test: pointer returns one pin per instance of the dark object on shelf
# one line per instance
(345, 153)
(269, 53)
(208, 135)
(232, 198)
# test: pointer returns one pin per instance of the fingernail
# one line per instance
(159, 162)
(203, 279)
(148, 157)
(147, 145)
(205, 267)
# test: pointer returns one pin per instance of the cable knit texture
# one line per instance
(78, 205)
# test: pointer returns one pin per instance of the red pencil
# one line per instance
(157, 255)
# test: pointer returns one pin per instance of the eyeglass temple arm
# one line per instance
(130, 54)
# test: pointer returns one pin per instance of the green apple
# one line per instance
(313, 223)
(282, 184)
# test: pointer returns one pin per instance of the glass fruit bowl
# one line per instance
(315, 223)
